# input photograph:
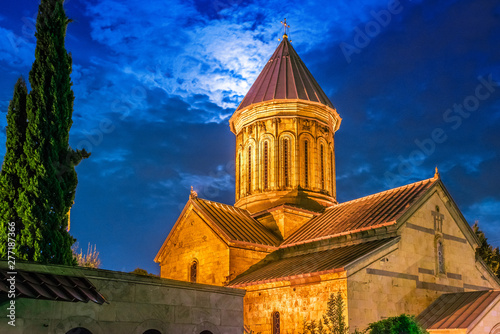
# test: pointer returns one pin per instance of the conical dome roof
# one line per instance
(285, 77)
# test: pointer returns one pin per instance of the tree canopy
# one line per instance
(47, 178)
(490, 255)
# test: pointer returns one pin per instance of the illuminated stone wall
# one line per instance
(405, 277)
(217, 261)
(135, 304)
(489, 323)
(240, 259)
(296, 300)
(192, 240)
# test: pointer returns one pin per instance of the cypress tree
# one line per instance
(334, 318)
(49, 179)
(14, 162)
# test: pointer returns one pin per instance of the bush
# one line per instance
(402, 324)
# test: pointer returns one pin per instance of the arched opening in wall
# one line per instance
(306, 164)
(193, 271)
(79, 330)
(152, 331)
(332, 173)
(286, 153)
(322, 166)
(266, 165)
(276, 323)
(238, 184)
(206, 332)
(249, 186)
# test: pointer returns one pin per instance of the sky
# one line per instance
(155, 83)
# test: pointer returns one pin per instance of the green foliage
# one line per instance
(402, 324)
(334, 318)
(490, 255)
(143, 272)
(14, 162)
(47, 181)
(333, 321)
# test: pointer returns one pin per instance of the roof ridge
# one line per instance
(381, 193)
(236, 223)
(218, 203)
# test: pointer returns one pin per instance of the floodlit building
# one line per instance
(290, 244)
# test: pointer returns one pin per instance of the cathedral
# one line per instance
(290, 244)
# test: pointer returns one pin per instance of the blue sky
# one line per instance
(156, 82)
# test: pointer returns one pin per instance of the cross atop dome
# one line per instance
(285, 77)
(285, 28)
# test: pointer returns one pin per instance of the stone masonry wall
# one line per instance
(296, 300)
(240, 259)
(489, 324)
(194, 240)
(406, 280)
(136, 304)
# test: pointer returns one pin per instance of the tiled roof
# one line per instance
(236, 223)
(363, 213)
(285, 77)
(307, 265)
(457, 310)
(49, 286)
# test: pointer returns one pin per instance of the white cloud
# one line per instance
(184, 53)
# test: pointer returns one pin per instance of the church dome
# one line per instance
(285, 77)
(284, 131)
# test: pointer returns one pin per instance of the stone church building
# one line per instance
(290, 244)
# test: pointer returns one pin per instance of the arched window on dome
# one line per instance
(249, 181)
(266, 165)
(240, 170)
(322, 165)
(276, 323)
(332, 171)
(306, 164)
(193, 271)
(286, 162)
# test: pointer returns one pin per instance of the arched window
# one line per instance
(193, 271)
(286, 149)
(239, 175)
(322, 166)
(276, 323)
(266, 165)
(152, 331)
(79, 330)
(306, 164)
(249, 169)
(440, 256)
(332, 168)
(206, 332)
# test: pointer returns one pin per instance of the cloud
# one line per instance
(155, 85)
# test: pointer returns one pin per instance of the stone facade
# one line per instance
(489, 323)
(218, 259)
(296, 300)
(405, 278)
(283, 220)
(136, 304)
(193, 241)
(285, 185)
